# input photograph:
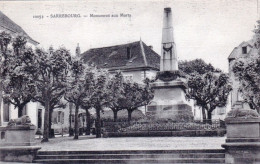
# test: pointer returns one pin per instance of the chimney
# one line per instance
(151, 47)
(78, 50)
(128, 53)
(168, 53)
(51, 49)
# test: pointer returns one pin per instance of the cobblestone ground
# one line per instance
(132, 143)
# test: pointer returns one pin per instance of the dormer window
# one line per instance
(244, 50)
(128, 51)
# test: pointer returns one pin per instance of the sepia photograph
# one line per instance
(130, 81)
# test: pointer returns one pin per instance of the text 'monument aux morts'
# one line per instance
(122, 15)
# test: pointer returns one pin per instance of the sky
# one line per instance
(206, 29)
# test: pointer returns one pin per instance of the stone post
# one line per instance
(243, 137)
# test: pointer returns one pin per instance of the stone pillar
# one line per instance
(243, 137)
(168, 60)
(77, 50)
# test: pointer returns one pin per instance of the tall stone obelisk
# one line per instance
(169, 100)
(169, 57)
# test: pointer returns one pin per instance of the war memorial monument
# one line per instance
(169, 99)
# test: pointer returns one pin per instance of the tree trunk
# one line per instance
(129, 114)
(98, 123)
(88, 123)
(1, 99)
(209, 117)
(50, 123)
(20, 111)
(46, 118)
(204, 115)
(115, 115)
(70, 128)
(76, 127)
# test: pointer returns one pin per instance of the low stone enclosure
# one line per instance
(153, 128)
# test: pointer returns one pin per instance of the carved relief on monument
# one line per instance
(22, 121)
(168, 75)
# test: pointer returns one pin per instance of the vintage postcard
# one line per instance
(130, 81)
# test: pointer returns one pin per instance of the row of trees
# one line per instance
(50, 77)
(207, 86)
(95, 88)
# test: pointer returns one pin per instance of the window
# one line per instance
(39, 118)
(128, 77)
(54, 120)
(6, 112)
(148, 74)
(244, 50)
(60, 117)
(2, 135)
(72, 118)
(59, 113)
(143, 74)
(221, 110)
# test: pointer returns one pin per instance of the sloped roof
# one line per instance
(234, 54)
(248, 43)
(7, 23)
(115, 57)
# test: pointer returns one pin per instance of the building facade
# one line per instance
(242, 51)
(135, 60)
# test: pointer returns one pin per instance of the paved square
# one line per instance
(132, 143)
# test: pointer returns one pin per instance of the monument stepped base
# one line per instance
(18, 153)
(169, 101)
(133, 156)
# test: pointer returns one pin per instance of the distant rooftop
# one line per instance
(8, 24)
(125, 56)
(235, 53)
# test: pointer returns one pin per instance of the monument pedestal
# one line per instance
(17, 140)
(243, 137)
(20, 136)
(18, 153)
(169, 101)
